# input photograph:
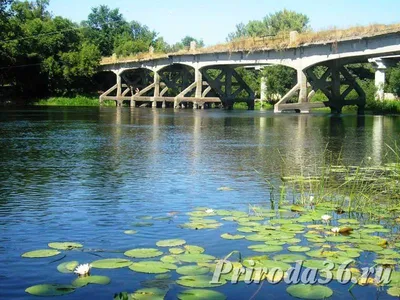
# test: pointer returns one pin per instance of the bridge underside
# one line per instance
(333, 80)
(180, 86)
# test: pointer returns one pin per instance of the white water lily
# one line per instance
(326, 218)
(83, 270)
(311, 199)
(335, 229)
(209, 211)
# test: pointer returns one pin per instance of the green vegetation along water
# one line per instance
(156, 200)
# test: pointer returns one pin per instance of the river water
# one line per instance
(89, 174)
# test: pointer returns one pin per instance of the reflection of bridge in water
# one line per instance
(199, 79)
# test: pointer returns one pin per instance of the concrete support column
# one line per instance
(199, 83)
(195, 105)
(380, 78)
(164, 104)
(119, 84)
(302, 81)
(156, 88)
(263, 89)
(380, 66)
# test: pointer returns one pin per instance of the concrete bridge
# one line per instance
(200, 78)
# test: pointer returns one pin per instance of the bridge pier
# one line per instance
(381, 65)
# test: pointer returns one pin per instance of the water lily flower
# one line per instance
(209, 211)
(83, 270)
(326, 218)
(311, 199)
(335, 229)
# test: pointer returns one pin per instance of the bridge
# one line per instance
(200, 78)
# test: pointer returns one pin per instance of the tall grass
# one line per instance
(370, 189)
(76, 101)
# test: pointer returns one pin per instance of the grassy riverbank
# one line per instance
(75, 101)
(374, 107)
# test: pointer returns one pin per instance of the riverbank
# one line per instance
(375, 107)
(74, 101)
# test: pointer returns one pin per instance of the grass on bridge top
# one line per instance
(279, 42)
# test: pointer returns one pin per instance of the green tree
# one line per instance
(272, 24)
(104, 27)
(394, 80)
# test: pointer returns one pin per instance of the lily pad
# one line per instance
(200, 294)
(111, 263)
(190, 249)
(152, 267)
(170, 259)
(176, 251)
(229, 236)
(41, 253)
(149, 294)
(192, 270)
(298, 249)
(289, 258)
(201, 281)
(65, 246)
(83, 281)
(195, 258)
(50, 290)
(171, 243)
(307, 291)
(67, 267)
(143, 253)
(394, 291)
(266, 248)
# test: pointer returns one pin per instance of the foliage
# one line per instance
(279, 80)
(394, 80)
(272, 24)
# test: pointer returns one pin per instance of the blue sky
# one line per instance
(213, 20)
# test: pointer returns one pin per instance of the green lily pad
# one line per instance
(298, 249)
(192, 270)
(266, 248)
(149, 294)
(171, 243)
(229, 236)
(83, 281)
(170, 259)
(143, 253)
(41, 253)
(130, 232)
(200, 294)
(50, 290)
(190, 249)
(245, 229)
(308, 291)
(369, 247)
(67, 267)
(200, 281)
(195, 258)
(176, 251)
(65, 246)
(152, 267)
(289, 258)
(315, 264)
(111, 263)
(337, 239)
(394, 291)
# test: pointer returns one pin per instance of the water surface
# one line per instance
(89, 174)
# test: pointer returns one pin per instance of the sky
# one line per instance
(213, 20)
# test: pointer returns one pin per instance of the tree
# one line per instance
(104, 27)
(394, 80)
(272, 24)
(138, 39)
(279, 80)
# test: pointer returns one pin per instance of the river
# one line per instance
(89, 174)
